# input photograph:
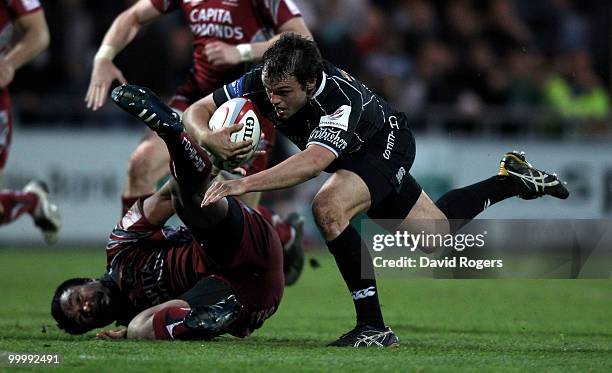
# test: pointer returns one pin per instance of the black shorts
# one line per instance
(384, 163)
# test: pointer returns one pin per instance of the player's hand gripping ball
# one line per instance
(237, 111)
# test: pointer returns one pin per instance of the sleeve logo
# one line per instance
(338, 119)
(328, 136)
(235, 88)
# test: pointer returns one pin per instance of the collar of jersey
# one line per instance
(322, 85)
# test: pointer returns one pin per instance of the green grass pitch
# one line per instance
(443, 325)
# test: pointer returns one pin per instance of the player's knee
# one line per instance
(141, 162)
(329, 217)
(141, 328)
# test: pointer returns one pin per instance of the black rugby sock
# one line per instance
(464, 204)
(346, 249)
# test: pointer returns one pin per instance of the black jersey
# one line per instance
(342, 115)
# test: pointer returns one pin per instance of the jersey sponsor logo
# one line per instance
(400, 174)
(338, 119)
(363, 293)
(153, 281)
(329, 136)
(215, 22)
(390, 144)
(192, 2)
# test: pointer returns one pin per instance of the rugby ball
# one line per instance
(237, 110)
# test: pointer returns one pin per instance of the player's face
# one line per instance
(88, 305)
(286, 95)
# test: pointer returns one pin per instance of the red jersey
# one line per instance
(150, 264)
(231, 21)
(10, 10)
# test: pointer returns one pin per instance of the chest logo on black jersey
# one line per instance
(338, 119)
(329, 136)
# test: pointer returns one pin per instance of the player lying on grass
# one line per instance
(223, 273)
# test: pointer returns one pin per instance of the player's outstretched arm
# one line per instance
(119, 35)
(294, 170)
(219, 53)
(195, 120)
(141, 326)
(34, 40)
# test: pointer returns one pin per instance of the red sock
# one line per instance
(128, 202)
(284, 230)
(168, 323)
(189, 163)
(14, 204)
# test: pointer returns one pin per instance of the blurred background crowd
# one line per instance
(475, 77)
(517, 67)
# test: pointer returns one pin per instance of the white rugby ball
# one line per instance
(237, 110)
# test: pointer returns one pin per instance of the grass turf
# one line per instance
(444, 325)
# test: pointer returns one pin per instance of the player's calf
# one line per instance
(189, 162)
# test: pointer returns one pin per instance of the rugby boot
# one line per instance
(367, 336)
(533, 183)
(293, 252)
(216, 319)
(46, 214)
(142, 103)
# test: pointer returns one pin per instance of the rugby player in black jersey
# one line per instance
(347, 130)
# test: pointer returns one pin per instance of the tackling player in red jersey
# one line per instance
(28, 16)
(223, 274)
(227, 34)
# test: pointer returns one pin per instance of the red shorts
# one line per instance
(189, 92)
(6, 126)
(255, 270)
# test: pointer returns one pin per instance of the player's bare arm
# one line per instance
(34, 40)
(219, 53)
(295, 170)
(158, 208)
(141, 326)
(195, 120)
(119, 35)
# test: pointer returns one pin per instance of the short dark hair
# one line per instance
(63, 321)
(293, 55)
